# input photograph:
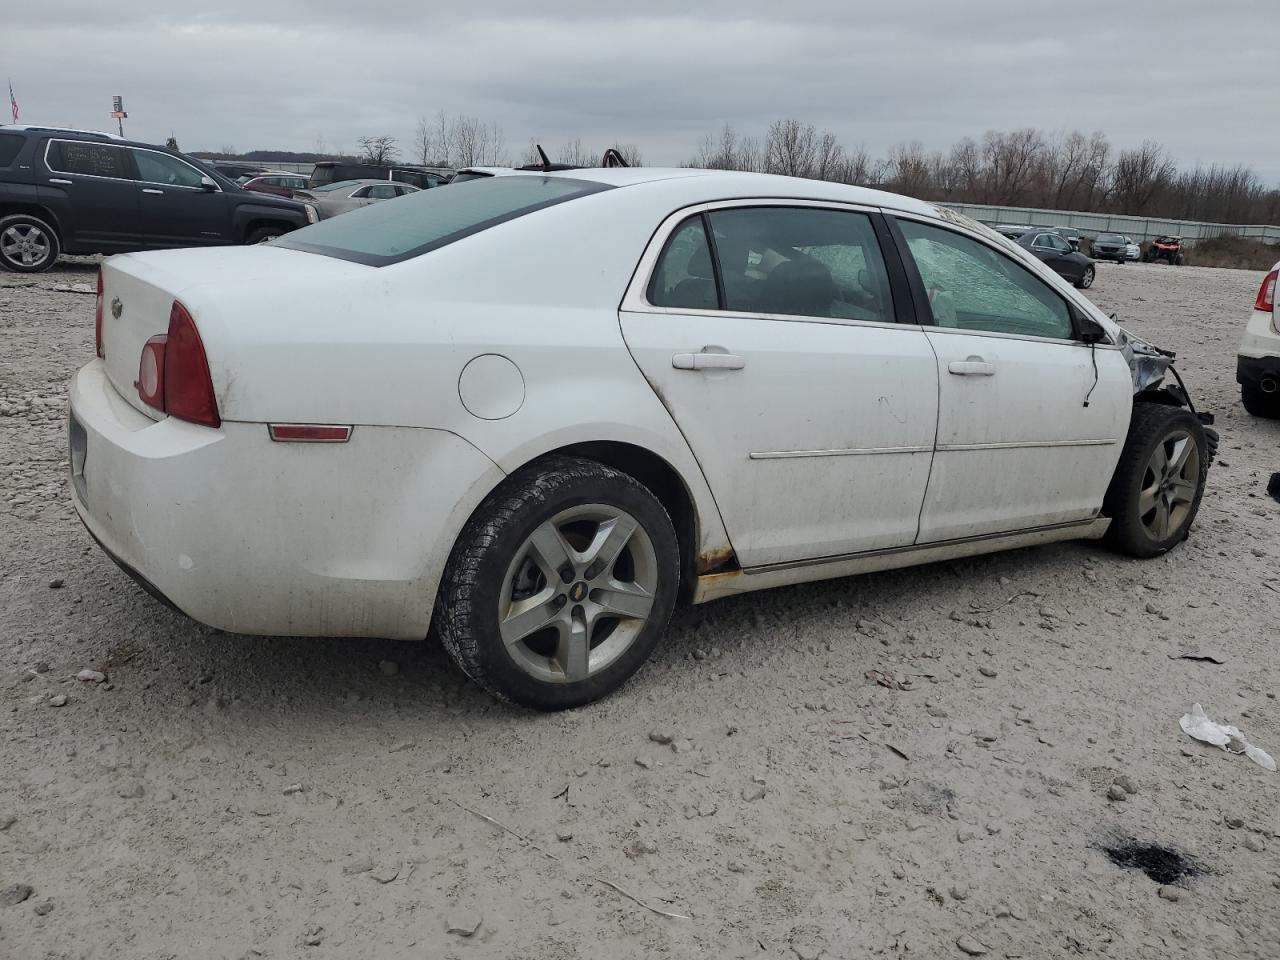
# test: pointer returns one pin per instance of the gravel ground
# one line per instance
(222, 796)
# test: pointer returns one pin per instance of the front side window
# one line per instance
(801, 261)
(382, 192)
(88, 159)
(684, 277)
(161, 168)
(385, 233)
(973, 287)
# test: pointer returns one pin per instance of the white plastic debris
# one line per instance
(1197, 724)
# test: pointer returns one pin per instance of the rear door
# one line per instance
(177, 210)
(771, 334)
(1031, 421)
(91, 184)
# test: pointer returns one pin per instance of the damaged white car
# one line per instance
(535, 411)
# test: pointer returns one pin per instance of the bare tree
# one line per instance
(791, 148)
(378, 150)
(908, 170)
(474, 143)
(1139, 176)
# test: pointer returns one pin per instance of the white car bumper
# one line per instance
(290, 539)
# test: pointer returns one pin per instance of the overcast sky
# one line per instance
(289, 74)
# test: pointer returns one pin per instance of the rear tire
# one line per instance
(1155, 493)
(1086, 279)
(1266, 405)
(548, 627)
(27, 244)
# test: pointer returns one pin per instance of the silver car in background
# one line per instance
(346, 195)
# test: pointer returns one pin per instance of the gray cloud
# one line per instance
(290, 73)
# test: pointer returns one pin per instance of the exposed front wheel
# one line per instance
(263, 234)
(27, 243)
(561, 585)
(1086, 279)
(1158, 483)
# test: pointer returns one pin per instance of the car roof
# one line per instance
(730, 183)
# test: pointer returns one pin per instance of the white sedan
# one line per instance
(534, 411)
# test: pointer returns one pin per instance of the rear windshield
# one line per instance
(391, 232)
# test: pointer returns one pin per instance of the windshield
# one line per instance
(387, 233)
(1110, 238)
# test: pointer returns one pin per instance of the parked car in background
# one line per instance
(77, 192)
(238, 170)
(1012, 230)
(1166, 248)
(347, 195)
(1258, 360)
(531, 411)
(278, 184)
(1132, 250)
(1110, 246)
(1057, 254)
(1069, 234)
(333, 171)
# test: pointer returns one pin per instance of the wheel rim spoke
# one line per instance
(1178, 460)
(573, 652)
(623, 600)
(1162, 520)
(551, 553)
(527, 617)
(611, 537)
(1147, 500)
(1182, 491)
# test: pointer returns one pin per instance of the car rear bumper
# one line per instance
(1253, 371)
(251, 536)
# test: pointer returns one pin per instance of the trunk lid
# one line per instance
(138, 292)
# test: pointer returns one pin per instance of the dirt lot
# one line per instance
(224, 796)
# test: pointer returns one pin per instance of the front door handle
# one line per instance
(707, 361)
(973, 366)
(159, 193)
(60, 182)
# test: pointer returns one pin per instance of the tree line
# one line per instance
(1018, 168)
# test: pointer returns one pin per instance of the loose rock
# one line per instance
(1116, 792)
(1254, 843)
(661, 736)
(971, 945)
(986, 671)
(58, 700)
(14, 894)
(1126, 784)
(753, 792)
(1172, 894)
(91, 676)
(464, 923)
(43, 908)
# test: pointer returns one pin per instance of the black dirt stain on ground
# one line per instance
(1162, 864)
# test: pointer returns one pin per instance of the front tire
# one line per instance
(1158, 483)
(1086, 279)
(27, 244)
(1260, 404)
(560, 585)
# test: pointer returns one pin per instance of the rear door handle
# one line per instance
(707, 361)
(158, 193)
(59, 182)
(972, 367)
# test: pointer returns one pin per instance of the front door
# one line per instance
(811, 411)
(1028, 433)
(176, 207)
(90, 184)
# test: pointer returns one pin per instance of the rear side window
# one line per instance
(972, 287)
(385, 233)
(10, 144)
(684, 277)
(89, 159)
(802, 261)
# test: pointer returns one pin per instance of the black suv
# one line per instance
(75, 191)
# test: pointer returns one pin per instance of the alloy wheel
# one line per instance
(1169, 484)
(577, 593)
(25, 243)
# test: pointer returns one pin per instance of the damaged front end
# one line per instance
(1148, 365)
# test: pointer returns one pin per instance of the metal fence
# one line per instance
(1139, 228)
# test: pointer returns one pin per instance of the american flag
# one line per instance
(13, 103)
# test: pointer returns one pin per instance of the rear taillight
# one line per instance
(173, 373)
(1267, 293)
(97, 315)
